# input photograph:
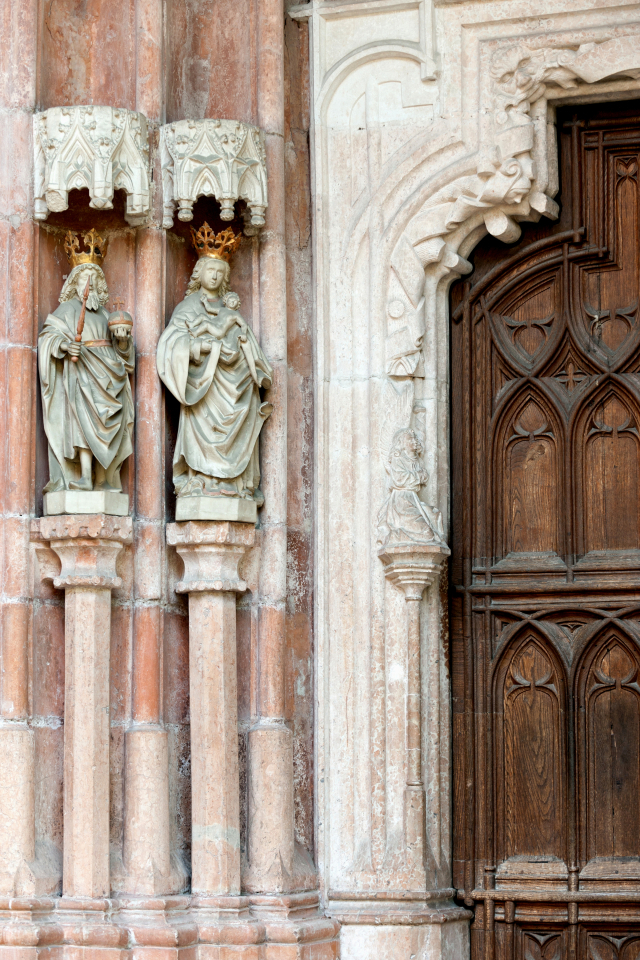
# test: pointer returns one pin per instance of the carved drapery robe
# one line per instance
(404, 517)
(88, 403)
(221, 411)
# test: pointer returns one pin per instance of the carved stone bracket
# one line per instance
(220, 158)
(413, 566)
(98, 148)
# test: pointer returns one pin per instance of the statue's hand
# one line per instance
(71, 347)
(123, 342)
(205, 346)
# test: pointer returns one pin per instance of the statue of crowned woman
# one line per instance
(85, 358)
(212, 363)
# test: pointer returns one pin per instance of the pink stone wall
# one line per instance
(200, 60)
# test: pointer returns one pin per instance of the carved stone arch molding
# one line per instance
(411, 167)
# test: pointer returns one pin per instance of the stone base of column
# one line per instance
(295, 928)
(27, 868)
(17, 811)
(168, 928)
(397, 930)
(146, 869)
(225, 929)
(271, 850)
(158, 928)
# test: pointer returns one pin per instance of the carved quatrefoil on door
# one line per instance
(571, 375)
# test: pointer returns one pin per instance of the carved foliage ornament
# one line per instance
(220, 158)
(506, 177)
(100, 149)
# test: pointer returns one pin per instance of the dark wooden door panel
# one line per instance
(546, 565)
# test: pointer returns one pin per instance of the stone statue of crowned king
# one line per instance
(85, 357)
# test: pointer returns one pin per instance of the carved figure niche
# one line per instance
(530, 740)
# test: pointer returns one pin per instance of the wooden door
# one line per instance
(546, 565)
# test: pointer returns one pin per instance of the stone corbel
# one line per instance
(98, 148)
(412, 568)
(224, 159)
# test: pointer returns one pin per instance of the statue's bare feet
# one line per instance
(84, 483)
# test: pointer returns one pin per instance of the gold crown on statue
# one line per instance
(218, 246)
(96, 246)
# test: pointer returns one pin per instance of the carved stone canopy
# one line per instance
(98, 148)
(224, 159)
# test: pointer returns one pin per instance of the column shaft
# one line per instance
(211, 552)
(87, 547)
(146, 841)
(412, 568)
(18, 384)
(86, 742)
(414, 798)
(271, 823)
(215, 803)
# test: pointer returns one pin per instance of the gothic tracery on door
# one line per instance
(546, 565)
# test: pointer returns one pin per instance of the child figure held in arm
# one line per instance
(220, 321)
(210, 360)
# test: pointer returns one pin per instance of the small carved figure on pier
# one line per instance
(404, 517)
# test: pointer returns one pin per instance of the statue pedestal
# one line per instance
(86, 501)
(216, 508)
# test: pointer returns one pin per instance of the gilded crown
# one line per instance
(218, 246)
(96, 246)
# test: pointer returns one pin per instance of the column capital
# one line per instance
(413, 566)
(211, 551)
(87, 546)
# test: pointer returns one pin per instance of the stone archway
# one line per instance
(399, 204)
